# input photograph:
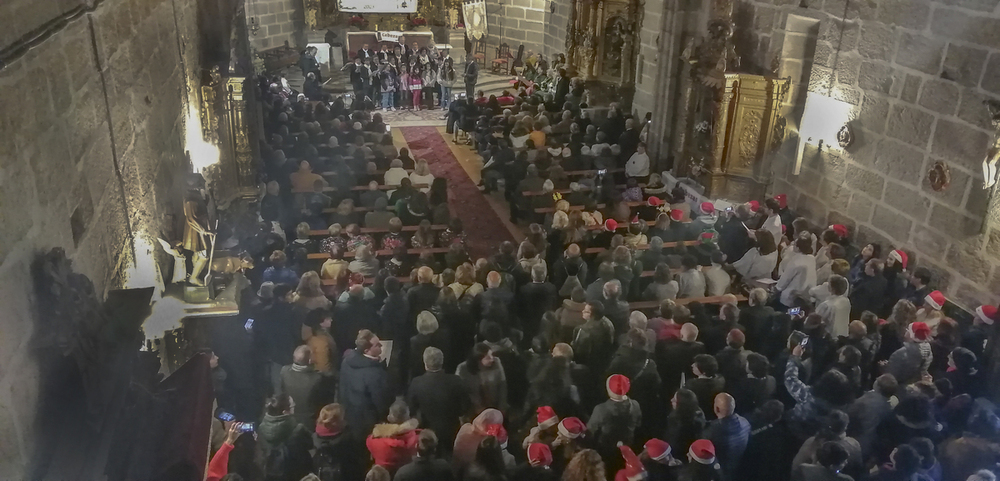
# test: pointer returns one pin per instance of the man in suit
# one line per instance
(471, 76)
(438, 398)
(366, 53)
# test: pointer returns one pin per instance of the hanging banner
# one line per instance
(475, 19)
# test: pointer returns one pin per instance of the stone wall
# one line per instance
(92, 139)
(555, 28)
(279, 21)
(913, 74)
(645, 63)
(516, 22)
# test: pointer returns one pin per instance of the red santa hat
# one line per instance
(920, 331)
(497, 431)
(935, 300)
(633, 470)
(900, 257)
(840, 230)
(635, 219)
(618, 386)
(987, 313)
(676, 215)
(654, 201)
(611, 225)
(706, 208)
(782, 200)
(702, 452)
(571, 428)
(754, 205)
(539, 454)
(707, 237)
(657, 449)
(546, 417)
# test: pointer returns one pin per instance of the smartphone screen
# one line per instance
(249, 325)
(805, 340)
(225, 416)
(246, 427)
(794, 311)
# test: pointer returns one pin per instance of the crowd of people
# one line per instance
(629, 336)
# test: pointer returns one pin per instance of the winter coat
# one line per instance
(817, 472)
(635, 364)
(337, 456)
(437, 399)
(613, 422)
(868, 294)
(487, 388)
(700, 472)
(907, 363)
(750, 393)
(964, 456)
(807, 453)
(570, 316)
(300, 383)
(706, 388)
(768, 454)
(393, 445)
(285, 445)
(804, 418)
(730, 436)
(593, 343)
(684, 430)
(527, 472)
(350, 317)
(364, 391)
(425, 469)
(674, 358)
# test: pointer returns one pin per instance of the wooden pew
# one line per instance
(567, 191)
(652, 305)
(572, 173)
(385, 253)
(375, 230)
(650, 223)
(360, 188)
(549, 210)
(332, 210)
(379, 172)
(368, 281)
(642, 247)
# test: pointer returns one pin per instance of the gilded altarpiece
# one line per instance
(730, 120)
(602, 41)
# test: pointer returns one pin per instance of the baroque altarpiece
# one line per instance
(602, 44)
(730, 120)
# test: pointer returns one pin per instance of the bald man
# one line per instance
(497, 300)
(729, 433)
(299, 380)
(571, 264)
(675, 356)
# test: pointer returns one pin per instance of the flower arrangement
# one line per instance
(357, 21)
(418, 22)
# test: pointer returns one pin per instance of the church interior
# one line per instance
(147, 146)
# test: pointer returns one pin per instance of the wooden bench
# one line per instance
(566, 191)
(384, 253)
(378, 172)
(360, 188)
(653, 305)
(650, 223)
(549, 210)
(574, 173)
(368, 281)
(376, 230)
(642, 247)
(333, 210)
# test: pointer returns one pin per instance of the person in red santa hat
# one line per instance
(932, 311)
(659, 462)
(702, 465)
(633, 470)
(570, 439)
(499, 432)
(707, 216)
(909, 363)
(603, 238)
(978, 334)
(546, 430)
(539, 465)
(896, 278)
(615, 420)
(683, 228)
(786, 214)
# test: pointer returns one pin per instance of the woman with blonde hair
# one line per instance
(465, 285)
(364, 262)
(309, 294)
(424, 237)
(560, 220)
(422, 176)
(587, 465)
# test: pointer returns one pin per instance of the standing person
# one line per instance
(299, 380)
(390, 83)
(394, 443)
(336, 451)
(484, 378)
(729, 433)
(438, 398)
(446, 81)
(614, 422)
(426, 465)
(539, 465)
(471, 76)
(836, 309)
(702, 464)
(470, 435)
(416, 85)
(799, 272)
(277, 334)
(593, 342)
(364, 384)
(638, 164)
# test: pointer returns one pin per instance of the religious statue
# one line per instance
(198, 239)
(614, 40)
(990, 168)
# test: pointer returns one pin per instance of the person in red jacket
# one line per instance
(219, 465)
(394, 444)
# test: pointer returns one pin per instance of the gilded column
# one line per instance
(239, 132)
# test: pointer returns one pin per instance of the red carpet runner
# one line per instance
(483, 227)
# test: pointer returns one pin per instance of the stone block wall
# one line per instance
(646, 71)
(278, 21)
(555, 28)
(914, 74)
(516, 22)
(92, 124)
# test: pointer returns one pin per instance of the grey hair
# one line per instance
(433, 359)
